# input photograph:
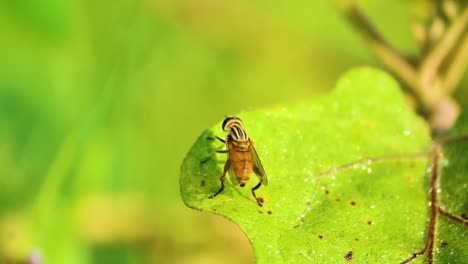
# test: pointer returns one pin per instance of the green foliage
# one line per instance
(348, 173)
(452, 239)
(92, 135)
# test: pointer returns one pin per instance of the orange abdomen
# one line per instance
(241, 157)
(242, 163)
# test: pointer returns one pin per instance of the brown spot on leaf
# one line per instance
(444, 244)
(356, 239)
(320, 236)
(327, 191)
(353, 203)
(349, 256)
(337, 199)
(202, 183)
(260, 200)
(269, 212)
(369, 222)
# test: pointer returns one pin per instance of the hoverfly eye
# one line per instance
(229, 118)
(226, 120)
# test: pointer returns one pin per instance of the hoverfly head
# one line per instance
(234, 128)
(230, 122)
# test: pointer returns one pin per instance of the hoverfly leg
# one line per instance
(212, 154)
(218, 138)
(259, 199)
(207, 158)
(216, 151)
(226, 168)
(220, 190)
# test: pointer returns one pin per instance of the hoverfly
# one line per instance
(242, 158)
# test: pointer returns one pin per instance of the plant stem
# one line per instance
(430, 65)
(391, 58)
(457, 68)
(425, 79)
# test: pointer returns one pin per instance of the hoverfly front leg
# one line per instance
(216, 151)
(218, 138)
(226, 168)
(212, 154)
(226, 165)
(259, 199)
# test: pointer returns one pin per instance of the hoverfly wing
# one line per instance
(258, 167)
(231, 155)
(232, 174)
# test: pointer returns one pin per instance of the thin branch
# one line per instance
(452, 140)
(431, 64)
(391, 58)
(429, 84)
(457, 68)
(398, 65)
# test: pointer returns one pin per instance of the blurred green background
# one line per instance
(101, 100)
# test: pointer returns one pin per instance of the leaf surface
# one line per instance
(348, 177)
(451, 241)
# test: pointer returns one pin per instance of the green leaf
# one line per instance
(452, 238)
(348, 177)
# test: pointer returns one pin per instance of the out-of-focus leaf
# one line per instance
(46, 17)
